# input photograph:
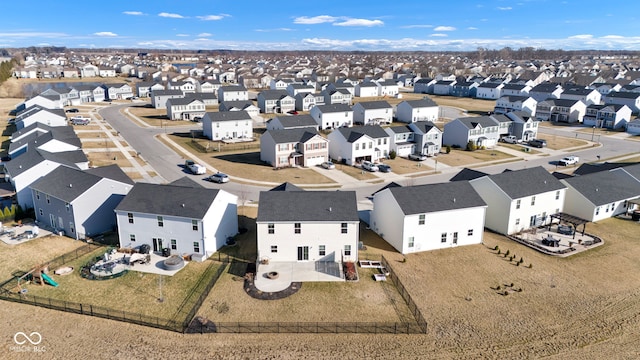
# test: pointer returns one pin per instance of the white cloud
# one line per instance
(105, 34)
(612, 37)
(360, 22)
(212, 17)
(202, 35)
(444, 28)
(505, 8)
(183, 35)
(170, 15)
(314, 20)
(273, 30)
(134, 13)
(439, 35)
(28, 34)
(581, 37)
(472, 28)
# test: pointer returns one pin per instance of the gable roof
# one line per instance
(605, 187)
(292, 135)
(333, 108)
(354, 133)
(67, 183)
(180, 201)
(467, 174)
(228, 115)
(286, 186)
(473, 121)
(372, 105)
(297, 121)
(273, 94)
(182, 101)
(436, 197)
(113, 172)
(186, 182)
(424, 126)
(33, 157)
(526, 182)
(425, 102)
(314, 206)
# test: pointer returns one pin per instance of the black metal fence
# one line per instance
(417, 314)
(201, 326)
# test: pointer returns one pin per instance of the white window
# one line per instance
(160, 221)
(533, 200)
(132, 237)
(194, 225)
(518, 204)
(470, 232)
(297, 228)
(174, 244)
(130, 217)
(274, 248)
(344, 228)
(347, 250)
(557, 194)
(271, 228)
(443, 237)
(322, 250)
(411, 241)
(421, 219)
(518, 221)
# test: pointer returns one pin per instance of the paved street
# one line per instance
(166, 162)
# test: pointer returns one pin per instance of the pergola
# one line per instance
(573, 220)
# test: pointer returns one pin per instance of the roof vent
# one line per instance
(70, 185)
(330, 209)
(596, 189)
(182, 205)
(454, 199)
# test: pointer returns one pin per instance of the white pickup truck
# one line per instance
(195, 168)
(569, 160)
(510, 139)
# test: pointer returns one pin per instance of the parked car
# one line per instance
(417, 157)
(80, 120)
(510, 139)
(218, 177)
(539, 143)
(72, 110)
(194, 168)
(292, 112)
(384, 168)
(568, 160)
(328, 165)
(369, 166)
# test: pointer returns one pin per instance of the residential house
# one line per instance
(546, 91)
(612, 116)
(78, 202)
(605, 88)
(480, 130)
(409, 111)
(208, 99)
(401, 140)
(510, 103)
(443, 87)
(464, 89)
(185, 219)
(232, 93)
(295, 89)
(424, 86)
(305, 101)
(489, 90)
(427, 217)
(159, 97)
(372, 113)
(275, 101)
(515, 90)
(185, 109)
(39, 114)
(144, 89)
(44, 101)
(336, 96)
(357, 144)
(523, 125)
(292, 122)
(387, 88)
(184, 86)
(520, 199)
(320, 226)
(34, 164)
(587, 96)
(106, 72)
(246, 105)
(332, 116)
(504, 127)
(208, 86)
(53, 139)
(633, 127)
(604, 194)
(293, 148)
(89, 70)
(427, 136)
(366, 89)
(561, 110)
(631, 99)
(227, 125)
(118, 91)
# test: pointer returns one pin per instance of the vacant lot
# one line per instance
(471, 105)
(522, 148)
(458, 157)
(403, 166)
(356, 172)
(248, 165)
(557, 142)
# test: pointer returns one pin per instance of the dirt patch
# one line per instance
(403, 166)
(459, 157)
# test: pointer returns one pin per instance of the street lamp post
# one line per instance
(593, 132)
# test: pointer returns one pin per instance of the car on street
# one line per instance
(195, 168)
(369, 166)
(569, 160)
(417, 157)
(78, 120)
(384, 168)
(72, 110)
(328, 165)
(539, 143)
(218, 177)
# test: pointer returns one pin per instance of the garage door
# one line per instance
(315, 160)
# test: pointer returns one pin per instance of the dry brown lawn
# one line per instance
(469, 104)
(99, 144)
(248, 165)
(108, 158)
(356, 172)
(459, 157)
(557, 142)
(400, 165)
(519, 147)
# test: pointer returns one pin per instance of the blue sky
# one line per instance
(322, 25)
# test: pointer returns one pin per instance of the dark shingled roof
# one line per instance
(436, 197)
(467, 174)
(332, 108)
(292, 135)
(181, 201)
(354, 133)
(424, 126)
(286, 186)
(186, 182)
(113, 172)
(586, 168)
(605, 187)
(228, 115)
(67, 184)
(473, 121)
(297, 121)
(526, 182)
(375, 104)
(307, 206)
(425, 102)
(34, 156)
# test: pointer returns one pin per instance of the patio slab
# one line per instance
(289, 272)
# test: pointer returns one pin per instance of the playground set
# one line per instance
(40, 275)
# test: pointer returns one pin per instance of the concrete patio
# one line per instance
(565, 242)
(289, 272)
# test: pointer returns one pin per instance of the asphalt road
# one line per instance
(168, 164)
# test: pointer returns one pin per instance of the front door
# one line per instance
(157, 244)
(455, 238)
(52, 220)
(303, 253)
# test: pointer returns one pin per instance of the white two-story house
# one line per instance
(227, 125)
(332, 116)
(372, 113)
(293, 147)
(481, 130)
(357, 144)
(417, 110)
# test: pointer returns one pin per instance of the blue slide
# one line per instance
(49, 280)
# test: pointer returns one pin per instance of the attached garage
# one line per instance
(315, 160)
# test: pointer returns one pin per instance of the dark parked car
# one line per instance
(539, 143)
(384, 168)
(72, 110)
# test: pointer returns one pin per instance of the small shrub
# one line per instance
(496, 247)
(530, 266)
(392, 154)
(521, 260)
(448, 150)
(517, 264)
(498, 252)
(404, 260)
(471, 146)
(507, 253)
